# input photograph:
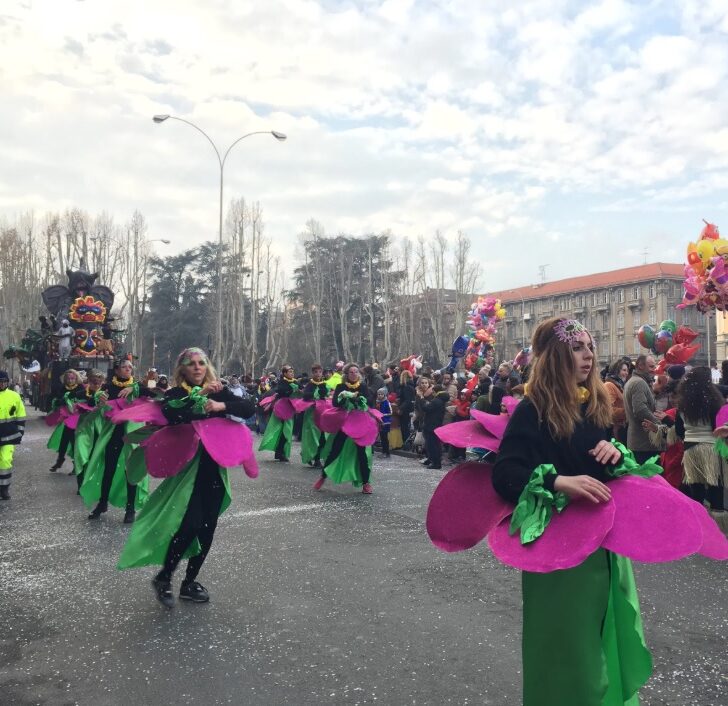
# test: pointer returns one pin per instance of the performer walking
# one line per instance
(312, 438)
(279, 432)
(62, 437)
(105, 476)
(180, 518)
(89, 421)
(12, 428)
(582, 634)
(346, 460)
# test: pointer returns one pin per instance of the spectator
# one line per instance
(336, 377)
(502, 375)
(615, 381)
(235, 387)
(386, 409)
(639, 406)
(431, 402)
(460, 412)
(406, 404)
(372, 378)
(163, 383)
(715, 375)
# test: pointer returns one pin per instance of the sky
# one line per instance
(583, 136)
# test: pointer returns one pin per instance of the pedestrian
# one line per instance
(640, 406)
(12, 428)
(616, 378)
(557, 445)
(313, 439)
(279, 431)
(181, 516)
(105, 478)
(406, 404)
(385, 408)
(431, 403)
(345, 460)
(163, 384)
(62, 436)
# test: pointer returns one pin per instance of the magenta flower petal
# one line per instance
(571, 536)
(715, 543)
(71, 420)
(283, 409)
(653, 521)
(56, 416)
(300, 405)
(267, 402)
(115, 406)
(494, 424)
(331, 420)
(320, 406)
(467, 434)
(722, 416)
(464, 508)
(140, 410)
(361, 428)
(228, 443)
(169, 450)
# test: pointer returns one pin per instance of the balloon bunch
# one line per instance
(669, 340)
(482, 319)
(706, 272)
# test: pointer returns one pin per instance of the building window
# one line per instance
(604, 298)
(594, 299)
(652, 320)
(620, 319)
(620, 346)
(563, 304)
(636, 345)
(620, 296)
(636, 294)
(652, 290)
(671, 314)
(687, 316)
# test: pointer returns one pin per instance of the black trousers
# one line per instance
(361, 456)
(405, 426)
(281, 447)
(199, 521)
(384, 439)
(111, 458)
(433, 448)
(642, 456)
(321, 444)
(700, 492)
(67, 439)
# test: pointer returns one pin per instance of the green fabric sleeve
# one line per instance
(629, 466)
(536, 505)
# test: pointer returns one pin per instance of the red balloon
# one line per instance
(685, 335)
(710, 232)
(693, 258)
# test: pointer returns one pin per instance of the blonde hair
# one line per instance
(178, 374)
(552, 389)
(404, 377)
(75, 372)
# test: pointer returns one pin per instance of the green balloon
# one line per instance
(668, 325)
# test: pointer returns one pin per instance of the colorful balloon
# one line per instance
(663, 341)
(646, 336)
(668, 325)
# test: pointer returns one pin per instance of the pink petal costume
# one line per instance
(582, 635)
(64, 419)
(191, 450)
(279, 430)
(314, 403)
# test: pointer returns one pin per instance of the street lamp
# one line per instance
(221, 161)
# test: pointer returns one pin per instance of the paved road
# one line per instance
(317, 598)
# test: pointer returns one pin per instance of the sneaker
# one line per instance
(129, 516)
(194, 592)
(97, 511)
(426, 462)
(55, 467)
(366, 489)
(163, 592)
(319, 483)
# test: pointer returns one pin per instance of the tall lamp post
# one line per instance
(221, 161)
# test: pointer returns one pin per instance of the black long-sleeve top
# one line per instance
(284, 388)
(363, 391)
(78, 394)
(310, 391)
(406, 398)
(242, 407)
(527, 443)
(432, 409)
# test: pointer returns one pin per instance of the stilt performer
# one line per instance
(569, 508)
(12, 428)
(192, 452)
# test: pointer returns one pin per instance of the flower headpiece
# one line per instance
(568, 330)
(185, 356)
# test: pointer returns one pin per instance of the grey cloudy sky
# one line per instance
(570, 133)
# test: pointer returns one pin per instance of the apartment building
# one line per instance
(612, 305)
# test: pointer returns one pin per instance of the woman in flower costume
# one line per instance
(105, 479)
(313, 439)
(570, 509)
(353, 428)
(279, 430)
(64, 406)
(191, 451)
(91, 410)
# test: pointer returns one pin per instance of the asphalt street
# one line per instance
(316, 598)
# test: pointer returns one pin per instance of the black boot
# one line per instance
(163, 590)
(129, 516)
(4, 492)
(97, 511)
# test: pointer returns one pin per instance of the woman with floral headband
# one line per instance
(582, 635)
(180, 518)
(63, 436)
(105, 479)
(279, 430)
